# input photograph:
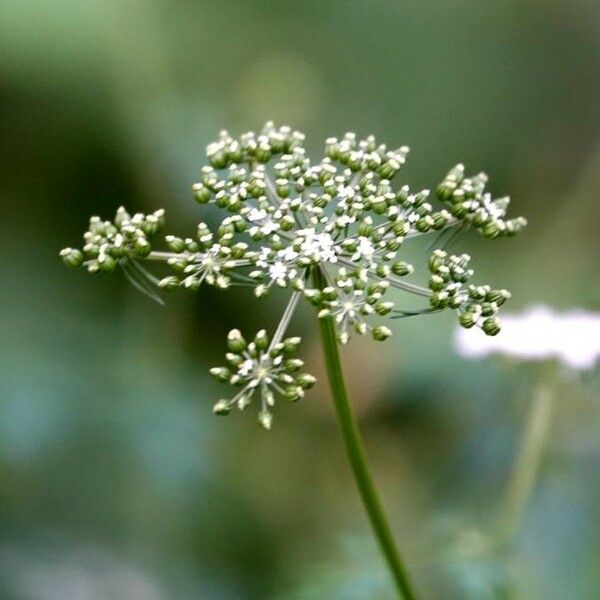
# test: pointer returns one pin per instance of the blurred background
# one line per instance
(116, 482)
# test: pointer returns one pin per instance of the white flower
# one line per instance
(346, 191)
(277, 270)
(269, 227)
(256, 214)
(539, 333)
(287, 254)
(246, 368)
(317, 246)
(365, 249)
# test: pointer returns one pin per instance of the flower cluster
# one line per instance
(262, 367)
(476, 305)
(285, 218)
(468, 200)
(108, 242)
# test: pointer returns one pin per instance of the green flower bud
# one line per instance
(439, 299)
(72, 257)
(262, 340)
(499, 297)
(492, 229)
(263, 153)
(235, 342)
(141, 246)
(379, 206)
(402, 268)
(436, 283)
(306, 380)
(287, 223)
(468, 318)
(221, 407)
(218, 159)
(294, 393)
(291, 345)
(424, 224)
(221, 374)
(261, 290)
(382, 270)
(365, 229)
(381, 333)
(265, 419)
(491, 326)
(169, 283)
(121, 217)
(436, 260)
(106, 263)
(384, 308)
(293, 364)
(488, 309)
(329, 293)
(175, 244)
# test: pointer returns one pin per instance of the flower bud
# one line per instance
(381, 333)
(492, 229)
(402, 268)
(72, 257)
(121, 217)
(294, 393)
(175, 244)
(106, 263)
(291, 345)
(261, 340)
(221, 373)
(499, 297)
(491, 326)
(221, 407)
(436, 260)
(141, 246)
(265, 419)
(293, 364)
(235, 341)
(384, 308)
(306, 380)
(468, 319)
(169, 283)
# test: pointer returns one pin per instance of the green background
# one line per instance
(116, 482)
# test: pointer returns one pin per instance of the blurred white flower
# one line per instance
(539, 333)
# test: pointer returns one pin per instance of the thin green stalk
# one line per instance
(356, 454)
(522, 480)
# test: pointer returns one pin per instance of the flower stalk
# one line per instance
(525, 470)
(356, 453)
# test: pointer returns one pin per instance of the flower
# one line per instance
(539, 333)
(285, 217)
(264, 369)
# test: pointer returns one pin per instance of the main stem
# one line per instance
(356, 454)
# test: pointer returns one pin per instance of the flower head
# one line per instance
(263, 369)
(285, 217)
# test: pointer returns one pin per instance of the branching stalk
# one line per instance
(356, 454)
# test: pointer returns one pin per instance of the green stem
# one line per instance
(356, 454)
(522, 480)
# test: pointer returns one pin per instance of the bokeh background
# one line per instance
(116, 482)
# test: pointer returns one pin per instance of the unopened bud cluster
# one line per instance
(285, 217)
(264, 369)
(106, 243)
(476, 305)
(468, 200)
